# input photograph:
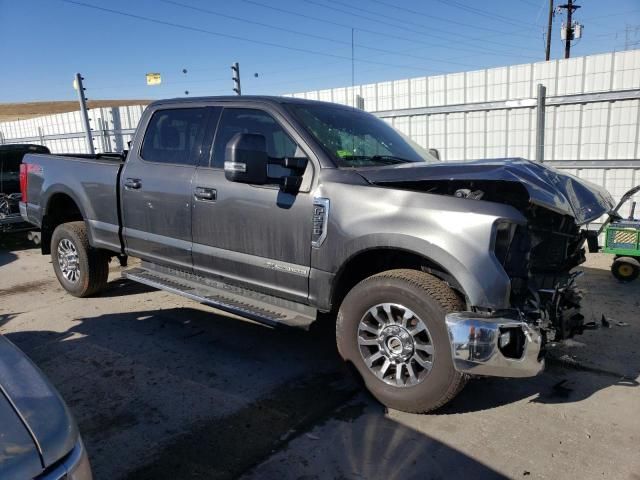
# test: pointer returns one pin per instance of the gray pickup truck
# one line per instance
(285, 211)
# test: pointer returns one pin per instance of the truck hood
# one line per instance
(545, 186)
(36, 406)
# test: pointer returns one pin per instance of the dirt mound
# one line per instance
(21, 111)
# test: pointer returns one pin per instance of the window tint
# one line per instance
(174, 136)
(245, 120)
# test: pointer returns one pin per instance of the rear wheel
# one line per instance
(391, 326)
(625, 269)
(81, 269)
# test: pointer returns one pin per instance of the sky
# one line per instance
(283, 46)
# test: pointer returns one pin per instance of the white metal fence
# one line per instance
(112, 128)
(491, 113)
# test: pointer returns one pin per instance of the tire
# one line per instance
(86, 269)
(625, 269)
(427, 298)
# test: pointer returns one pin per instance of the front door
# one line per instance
(253, 236)
(156, 187)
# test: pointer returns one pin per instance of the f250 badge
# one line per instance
(286, 268)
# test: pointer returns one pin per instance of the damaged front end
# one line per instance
(539, 257)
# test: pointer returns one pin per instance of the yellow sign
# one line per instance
(154, 79)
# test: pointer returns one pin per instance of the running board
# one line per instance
(246, 303)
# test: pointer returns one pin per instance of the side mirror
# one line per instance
(435, 153)
(246, 159)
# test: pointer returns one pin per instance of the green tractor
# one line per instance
(622, 239)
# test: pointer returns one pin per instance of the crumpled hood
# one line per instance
(546, 186)
(37, 402)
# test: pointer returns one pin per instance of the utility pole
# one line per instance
(549, 30)
(540, 117)
(235, 70)
(84, 114)
(570, 7)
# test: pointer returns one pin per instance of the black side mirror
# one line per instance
(246, 159)
(435, 153)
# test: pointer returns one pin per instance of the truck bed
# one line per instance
(91, 181)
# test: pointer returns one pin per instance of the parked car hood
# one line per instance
(546, 186)
(19, 457)
(35, 405)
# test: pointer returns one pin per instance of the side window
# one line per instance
(246, 120)
(174, 136)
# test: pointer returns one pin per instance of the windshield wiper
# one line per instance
(383, 159)
(391, 158)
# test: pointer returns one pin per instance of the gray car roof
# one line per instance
(274, 100)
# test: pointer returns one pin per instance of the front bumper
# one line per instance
(483, 345)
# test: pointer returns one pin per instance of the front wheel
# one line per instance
(391, 326)
(81, 269)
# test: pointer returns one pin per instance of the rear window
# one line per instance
(174, 136)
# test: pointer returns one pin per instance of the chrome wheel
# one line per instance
(68, 260)
(395, 345)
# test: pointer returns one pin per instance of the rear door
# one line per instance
(156, 186)
(256, 236)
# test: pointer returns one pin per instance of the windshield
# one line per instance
(358, 139)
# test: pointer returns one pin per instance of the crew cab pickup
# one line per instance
(288, 211)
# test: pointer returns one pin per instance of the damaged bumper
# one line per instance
(494, 346)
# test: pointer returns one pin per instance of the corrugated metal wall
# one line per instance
(576, 135)
(591, 131)
(63, 132)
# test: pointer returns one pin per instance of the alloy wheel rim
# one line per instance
(395, 344)
(68, 260)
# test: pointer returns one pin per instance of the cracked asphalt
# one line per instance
(165, 388)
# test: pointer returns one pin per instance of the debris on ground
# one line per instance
(569, 342)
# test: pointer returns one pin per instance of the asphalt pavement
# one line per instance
(165, 388)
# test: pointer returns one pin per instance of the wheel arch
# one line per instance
(370, 261)
(61, 207)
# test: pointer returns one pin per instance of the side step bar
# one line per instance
(249, 304)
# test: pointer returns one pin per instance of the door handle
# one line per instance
(132, 183)
(206, 194)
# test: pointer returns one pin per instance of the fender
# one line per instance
(492, 292)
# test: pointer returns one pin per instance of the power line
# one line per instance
(482, 13)
(311, 35)
(233, 37)
(402, 22)
(631, 12)
(253, 22)
(443, 19)
(529, 3)
(386, 34)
